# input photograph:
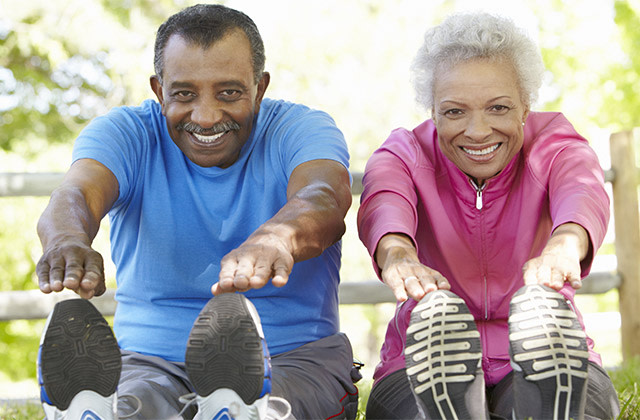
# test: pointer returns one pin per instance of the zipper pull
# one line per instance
(479, 198)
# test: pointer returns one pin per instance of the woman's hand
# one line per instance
(560, 259)
(402, 271)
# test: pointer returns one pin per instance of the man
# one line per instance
(212, 189)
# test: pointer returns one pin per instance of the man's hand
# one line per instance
(67, 228)
(402, 271)
(250, 266)
(74, 266)
(560, 259)
(312, 219)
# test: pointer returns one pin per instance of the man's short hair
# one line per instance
(205, 24)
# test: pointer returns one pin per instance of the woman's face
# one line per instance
(479, 116)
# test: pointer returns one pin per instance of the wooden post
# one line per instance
(627, 241)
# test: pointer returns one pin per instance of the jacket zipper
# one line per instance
(479, 205)
(478, 193)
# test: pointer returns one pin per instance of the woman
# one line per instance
(463, 211)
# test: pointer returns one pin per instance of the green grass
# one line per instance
(21, 412)
(626, 380)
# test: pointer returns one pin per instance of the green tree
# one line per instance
(621, 84)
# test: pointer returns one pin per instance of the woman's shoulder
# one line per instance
(549, 125)
(418, 144)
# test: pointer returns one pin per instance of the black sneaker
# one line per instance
(443, 358)
(79, 363)
(549, 355)
(227, 360)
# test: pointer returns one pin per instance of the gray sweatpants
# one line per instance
(391, 397)
(315, 378)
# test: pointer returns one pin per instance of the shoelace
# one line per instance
(138, 405)
(188, 400)
(272, 413)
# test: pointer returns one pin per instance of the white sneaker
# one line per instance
(549, 355)
(79, 363)
(227, 360)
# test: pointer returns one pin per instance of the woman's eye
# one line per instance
(454, 112)
(500, 108)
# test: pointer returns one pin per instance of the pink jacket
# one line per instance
(480, 240)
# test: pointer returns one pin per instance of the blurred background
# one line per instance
(63, 62)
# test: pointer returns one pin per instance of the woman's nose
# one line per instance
(478, 127)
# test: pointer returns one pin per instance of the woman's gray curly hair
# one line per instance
(466, 36)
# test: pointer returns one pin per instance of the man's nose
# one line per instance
(206, 112)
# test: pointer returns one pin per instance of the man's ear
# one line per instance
(156, 87)
(262, 88)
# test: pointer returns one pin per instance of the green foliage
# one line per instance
(48, 88)
(18, 339)
(621, 84)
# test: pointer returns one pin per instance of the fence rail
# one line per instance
(623, 176)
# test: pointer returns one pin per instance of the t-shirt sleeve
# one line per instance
(306, 135)
(116, 141)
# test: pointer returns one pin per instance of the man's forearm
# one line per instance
(67, 216)
(311, 221)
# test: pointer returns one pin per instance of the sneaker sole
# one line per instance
(226, 349)
(78, 353)
(443, 354)
(549, 345)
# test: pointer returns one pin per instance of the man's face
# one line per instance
(209, 97)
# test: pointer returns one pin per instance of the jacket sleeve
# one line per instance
(388, 202)
(575, 183)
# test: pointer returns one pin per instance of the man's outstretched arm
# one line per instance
(318, 198)
(68, 226)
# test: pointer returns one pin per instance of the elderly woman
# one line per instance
(483, 220)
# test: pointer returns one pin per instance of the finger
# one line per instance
(216, 289)
(557, 279)
(396, 283)
(543, 275)
(261, 273)
(56, 274)
(73, 273)
(442, 282)
(228, 266)
(281, 274)
(530, 274)
(93, 279)
(244, 271)
(572, 276)
(414, 287)
(429, 283)
(42, 270)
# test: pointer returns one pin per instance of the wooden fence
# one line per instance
(623, 176)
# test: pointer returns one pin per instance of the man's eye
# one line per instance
(230, 94)
(183, 94)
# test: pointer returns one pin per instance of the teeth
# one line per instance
(482, 151)
(208, 139)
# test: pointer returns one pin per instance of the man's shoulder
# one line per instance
(148, 109)
(280, 109)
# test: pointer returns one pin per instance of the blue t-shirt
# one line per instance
(174, 221)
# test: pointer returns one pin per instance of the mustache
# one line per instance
(192, 127)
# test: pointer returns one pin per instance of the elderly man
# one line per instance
(211, 189)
